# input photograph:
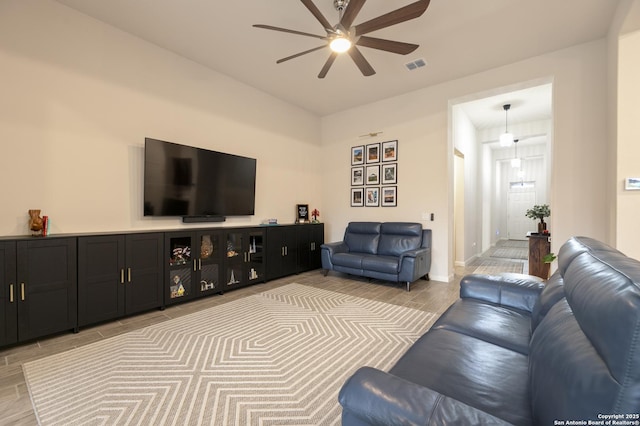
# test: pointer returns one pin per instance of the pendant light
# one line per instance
(515, 161)
(506, 139)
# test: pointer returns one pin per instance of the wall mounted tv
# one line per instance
(198, 184)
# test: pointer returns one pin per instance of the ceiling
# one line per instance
(456, 37)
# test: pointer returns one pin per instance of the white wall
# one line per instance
(419, 120)
(465, 140)
(628, 150)
(77, 99)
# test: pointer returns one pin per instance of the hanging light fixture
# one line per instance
(506, 139)
(515, 161)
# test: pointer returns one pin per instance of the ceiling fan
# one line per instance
(345, 37)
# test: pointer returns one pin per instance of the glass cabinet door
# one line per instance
(255, 256)
(235, 257)
(180, 267)
(209, 263)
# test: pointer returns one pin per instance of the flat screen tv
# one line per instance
(191, 182)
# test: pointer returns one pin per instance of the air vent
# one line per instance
(414, 65)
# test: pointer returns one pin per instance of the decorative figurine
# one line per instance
(35, 222)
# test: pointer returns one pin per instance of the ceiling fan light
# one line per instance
(515, 163)
(506, 139)
(340, 44)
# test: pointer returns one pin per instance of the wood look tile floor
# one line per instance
(15, 404)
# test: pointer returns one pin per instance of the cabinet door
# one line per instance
(255, 256)
(8, 294)
(47, 287)
(317, 239)
(282, 251)
(182, 266)
(235, 256)
(144, 272)
(101, 278)
(310, 238)
(209, 259)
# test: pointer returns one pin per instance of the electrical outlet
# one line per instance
(425, 216)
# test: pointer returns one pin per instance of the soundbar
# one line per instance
(203, 218)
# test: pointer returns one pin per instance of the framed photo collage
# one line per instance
(374, 175)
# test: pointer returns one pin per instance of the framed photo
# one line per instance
(373, 153)
(390, 151)
(373, 175)
(357, 176)
(357, 197)
(372, 196)
(389, 174)
(389, 196)
(302, 213)
(357, 155)
(632, 184)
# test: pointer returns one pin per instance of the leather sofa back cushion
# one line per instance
(362, 237)
(552, 293)
(398, 237)
(585, 353)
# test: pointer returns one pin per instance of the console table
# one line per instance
(539, 247)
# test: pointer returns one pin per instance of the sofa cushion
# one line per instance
(384, 264)
(585, 353)
(509, 328)
(348, 260)
(552, 293)
(478, 373)
(399, 237)
(362, 237)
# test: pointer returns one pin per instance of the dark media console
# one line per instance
(203, 219)
(62, 282)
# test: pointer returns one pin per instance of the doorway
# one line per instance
(519, 200)
(494, 210)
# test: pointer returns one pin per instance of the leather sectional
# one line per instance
(513, 350)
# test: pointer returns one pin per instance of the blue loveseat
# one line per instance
(516, 351)
(390, 251)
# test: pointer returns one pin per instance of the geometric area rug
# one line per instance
(275, 358)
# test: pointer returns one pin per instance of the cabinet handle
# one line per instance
(195, 267)
(122, 276)
(286, 250)
(200, 264)
(22, 291)
(129, 274)
(11, 293)
(282, 250)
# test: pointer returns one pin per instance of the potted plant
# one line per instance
(315, 213)
(539, 212)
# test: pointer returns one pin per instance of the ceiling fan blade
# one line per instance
(285, 30)
(327, 65)
(387, 45)
(279, 61)
(361, 62)
(403, 14)
(316, 12)
(350, 13)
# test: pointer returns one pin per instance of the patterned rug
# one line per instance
(510, 253)
(279, 357)
(492, 267)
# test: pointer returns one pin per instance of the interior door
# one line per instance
(518, 201)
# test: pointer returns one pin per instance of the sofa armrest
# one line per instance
(374, 397)
(414, 252)
(327, 251)
(518, 292)
(333, 248)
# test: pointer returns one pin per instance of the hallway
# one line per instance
(505, 256)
